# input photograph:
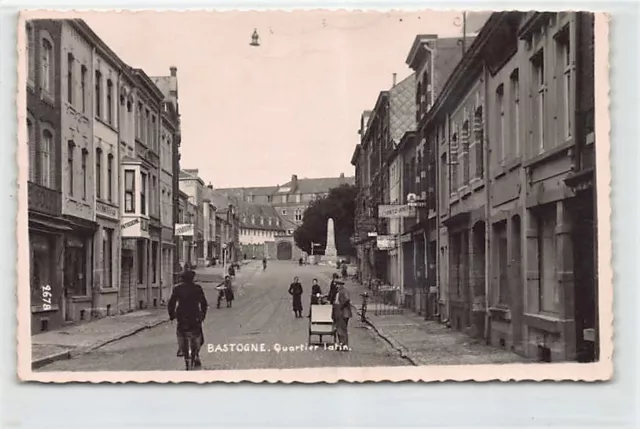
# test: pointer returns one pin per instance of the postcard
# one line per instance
(313, 196)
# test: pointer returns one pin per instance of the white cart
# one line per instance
(321, 323)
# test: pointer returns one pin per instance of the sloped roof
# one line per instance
(242, 192)
(448, 55)
(251, 214)
(402, 108)
(319, 185)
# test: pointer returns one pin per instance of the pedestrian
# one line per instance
(188, 305)
(341, 314)
(226, 292)
(316, 292)
(333, 288)
(295, 290)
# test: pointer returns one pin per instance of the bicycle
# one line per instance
(190, 350)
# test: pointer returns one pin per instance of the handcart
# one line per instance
(321, 322)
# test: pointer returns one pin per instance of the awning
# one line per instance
(48, 225)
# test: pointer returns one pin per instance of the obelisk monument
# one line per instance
(330, 251)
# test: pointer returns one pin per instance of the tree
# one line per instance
(339, 204)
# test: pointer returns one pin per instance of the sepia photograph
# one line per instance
(313, 196)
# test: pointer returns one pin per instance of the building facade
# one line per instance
(141, 228)
(192, 185)
(289, 201)
(47, 228)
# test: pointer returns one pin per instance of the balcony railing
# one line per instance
(44, 200)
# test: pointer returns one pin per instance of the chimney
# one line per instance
(174, 70)
(342, 175)
(395, 76)
(210, 186)
(294, 181)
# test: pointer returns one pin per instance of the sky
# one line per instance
(253, 116)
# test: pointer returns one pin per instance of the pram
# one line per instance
(321, 322)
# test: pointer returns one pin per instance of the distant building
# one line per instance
(288, 202)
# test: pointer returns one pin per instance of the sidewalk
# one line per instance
(427, 342)
(67, 343)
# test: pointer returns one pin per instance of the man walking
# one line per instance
(341, 315)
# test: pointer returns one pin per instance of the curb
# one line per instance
(79, 351)
(404, 353)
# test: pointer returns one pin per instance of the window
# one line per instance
(83, 87)
(110, 101)
(129, 191)
(70, 149)
(154, 131)
(563, 45)
(98, 94)
(298, 215)
(502, 266)
(31, 143)
(444, 185)
(139, 122)
(547, 286)
(31, 54)
(147, 129)
(154, 207)
(515, 91)
(141, 260)
(98, 173)
(284, 212)
(465, 153)
(154, 261)
(143, 193)
(297, 198)
(70, 80)
(107, 252)
(110, 177)
(45, 159)
(454, 162)
(47, 67)
(269, 198)
(478, 136)
(500, 140)
(538, 73)
(284, 198)
(85, 155)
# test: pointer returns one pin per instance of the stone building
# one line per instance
(171, 137)
(192, 185)
(259, 225)
(141, 227)
(289, 201)
(78, 176)
(392, 116)
(513, 129)
(47, 228)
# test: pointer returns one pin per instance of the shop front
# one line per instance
(135, 230)
(106, 257)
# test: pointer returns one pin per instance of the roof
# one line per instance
(402, 108)
(242, 192)
(448, 55)
(250, 215)
(319, 185)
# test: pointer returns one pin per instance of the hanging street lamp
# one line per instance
(254, 38)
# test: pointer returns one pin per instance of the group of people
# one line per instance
(338, 297)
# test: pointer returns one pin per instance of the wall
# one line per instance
(77, 127)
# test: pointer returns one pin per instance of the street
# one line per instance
(261, 317)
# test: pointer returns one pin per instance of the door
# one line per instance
(285, 251)
(126, 280)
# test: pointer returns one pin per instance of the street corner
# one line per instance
(44, 354)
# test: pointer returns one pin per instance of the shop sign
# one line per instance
(184, 229)
(106, 210)
(396, 211)
(414, 201)
(386, 242)
(136, 227)
(405, 238)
